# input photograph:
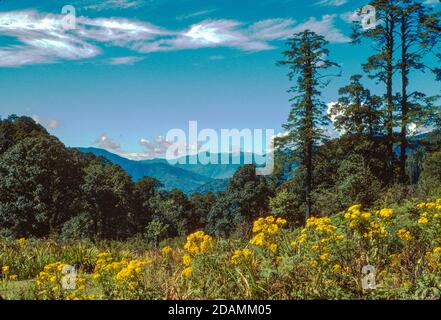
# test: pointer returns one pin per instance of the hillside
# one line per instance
(172, 177)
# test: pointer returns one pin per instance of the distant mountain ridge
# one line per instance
(171, 177)
(186, 177)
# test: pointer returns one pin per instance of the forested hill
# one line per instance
(170, 176)
(188, 176)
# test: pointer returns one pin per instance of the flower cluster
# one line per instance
(315, 239)
(318, 230)
(186, 261)
(119, 276)
(130, 273)
(5, 274)
(368, 226)
(385, 213)
(166, 251)
(431, 212)
(49, 281)
(433, 259)
(404, 235)
(51, 284)
(198, 242)
(266, 231)
(22, 242)
(241, 256)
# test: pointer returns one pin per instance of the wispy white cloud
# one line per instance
(332, 3)
(432, 2)
(156, 148)
(195, 14)
(130, 60)
(350, 16)
(98, 5)
(325, 27)
(272, 29)
(42, 38)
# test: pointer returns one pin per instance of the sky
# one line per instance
(131, 70)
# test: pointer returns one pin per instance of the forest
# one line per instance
(369, 197)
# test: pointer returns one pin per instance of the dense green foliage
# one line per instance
(47, 190)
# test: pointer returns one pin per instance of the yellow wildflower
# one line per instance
(186, 273)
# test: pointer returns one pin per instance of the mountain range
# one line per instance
(195, 177)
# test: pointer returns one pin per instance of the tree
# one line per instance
(356, 111)
(306, 58)
(430, 179)
(39, 183)
(144, 190)
(171, 209)
(245, 199)
(200, 208)
(380, 66)
(107, 191)
(418, 37)
(347, 166)
(286, 203)
(14, 129)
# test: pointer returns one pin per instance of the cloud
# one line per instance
(324, 27)
(113, 4)
(131, 60)
(41, 38)
(333, 3)
(432, 2)
(155, 148)
(45, 122)
(350, 16)
(208, 34)
(272, 29)
(330, 131)
(249, 38)
(195, 14)
(105, 142)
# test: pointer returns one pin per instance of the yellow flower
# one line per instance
(166, 250)
(21, 242)
(386, 213)
(240, 256)
(133, 285)
(324, 256)
(186, 260)
(273, 247)
(281, 222)
(336, 268)
(198, 242)
(258, 240)
(186, 273)
(5, 270)
(423, 220)
(404, 235)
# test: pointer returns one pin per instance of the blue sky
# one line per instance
(134, 69)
